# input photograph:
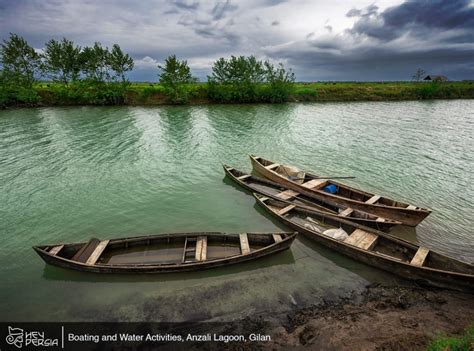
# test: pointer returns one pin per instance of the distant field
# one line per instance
(151, 93)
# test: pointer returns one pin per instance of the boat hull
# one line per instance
(383, 226)
(421, 275)
(410, 217)
(57, 261)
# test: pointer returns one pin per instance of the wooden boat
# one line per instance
(350, 198)
(164, 253)
(281, 192)
(375, 248)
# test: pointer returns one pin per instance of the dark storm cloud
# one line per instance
(273, 2)
(186, 5)
(213, 25)
(373, 42)
(391, 44)
(419, 17)
(219, 11)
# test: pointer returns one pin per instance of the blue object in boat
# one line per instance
(331, 189)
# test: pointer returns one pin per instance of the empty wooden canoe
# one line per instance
(374, 247)
(164, 253)
(351, 198)
(281, 192)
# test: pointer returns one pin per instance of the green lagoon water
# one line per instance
(67, 174)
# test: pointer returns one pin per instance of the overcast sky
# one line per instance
(318, 39)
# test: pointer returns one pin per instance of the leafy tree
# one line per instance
(246, 79)
(62, 60)
(418, 75)
(119, 62)
(19, 60)
(238, 70)
(95, 63)
(174, 76)
(281, 82)
(236, 79)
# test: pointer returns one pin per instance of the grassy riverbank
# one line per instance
(52, 94)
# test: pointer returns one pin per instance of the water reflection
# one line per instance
(67, 174)
(99, 141)
(278, 259)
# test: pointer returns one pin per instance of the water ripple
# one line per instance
(67, 172)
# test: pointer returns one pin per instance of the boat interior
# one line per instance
(268, 187)
(164, 249)
(366, 240)
(311, 181)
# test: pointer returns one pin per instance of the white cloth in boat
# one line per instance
(335, 233)
(291, 173)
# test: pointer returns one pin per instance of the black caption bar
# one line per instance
(127, 336)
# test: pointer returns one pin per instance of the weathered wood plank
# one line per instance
(347, 212)
(85, 252)
(244, 244)
(287, 194)
(277, 238)
(388, 256)
(286, 209)
(420, 256)
(97, 252)
(362, 239)
(55, 250)
(201, 248)
(272, 166)
(373, 199)
(244, 177)
(315, 183)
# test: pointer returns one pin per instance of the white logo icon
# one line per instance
(15, 337)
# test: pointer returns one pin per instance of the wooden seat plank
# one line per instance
(244, 244)
(286, 209)
(420, 256)
(373, 199)
(362, 239)
(287, 194)
(315, 183)
(272, 166)
(97, 252)
(347, 212)
(277, 238)
(201, 248)
(55, 250)
(244, 177)
(84, 252)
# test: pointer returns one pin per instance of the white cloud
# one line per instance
(146, 62)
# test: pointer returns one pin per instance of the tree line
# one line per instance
(97, 72)
(98, 75)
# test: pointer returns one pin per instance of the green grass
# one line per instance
(464, 342)
(382, 91)
(152, 93)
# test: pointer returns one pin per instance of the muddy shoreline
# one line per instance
(379, 318)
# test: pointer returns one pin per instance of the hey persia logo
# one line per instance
(18, 337)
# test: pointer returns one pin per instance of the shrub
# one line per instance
(428, 90)
(246, 79)
(175, 75)
(444, 343)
